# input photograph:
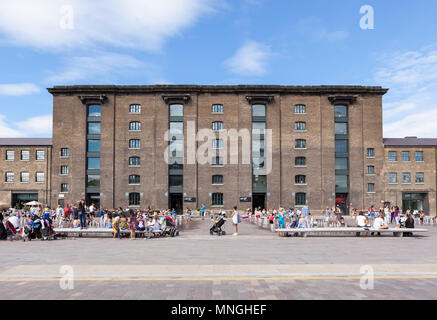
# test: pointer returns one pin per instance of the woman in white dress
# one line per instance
(235, 220)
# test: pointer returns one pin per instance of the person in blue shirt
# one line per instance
(281, 217)
(305, 210)
(202, 211)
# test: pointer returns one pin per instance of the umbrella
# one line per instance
(33, 203)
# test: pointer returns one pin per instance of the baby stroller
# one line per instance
(47, 231)
(169, 227)
(217, 226)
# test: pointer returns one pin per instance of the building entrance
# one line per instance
(175, 202)
(259, 200)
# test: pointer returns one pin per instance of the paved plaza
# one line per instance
(257, 264)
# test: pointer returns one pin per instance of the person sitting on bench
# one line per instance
(379, 224)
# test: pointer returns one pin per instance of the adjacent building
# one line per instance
(410, 173)
(25, 168)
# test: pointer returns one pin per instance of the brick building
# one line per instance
(25, 168)
(410, 173)
(326, 142)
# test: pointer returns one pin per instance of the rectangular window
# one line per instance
(341, 163)
(406, 177)
(134, 199)
(93, 146)
(370, 153)
(259, 182)
(135, 108)
(217, 161)
(93, 163)
(65, 152)
(392, 177)
(134, 126)
(64, 187)
(370, 187)
(39, 177)
(340, 128)
(9, 177)
(340, 112)
(176, 130)
(25, 177)
(420, 177)
(64, 170)
(93, 181)
(134, 179)
(341, 146)
(217, 108)
(406, 156)
(94, 110)
(93, 128)
(392, 156)
(217, 144)
(40, 155)
(217, 179)
(134, 161)
(341, 181)
(300, 109)
(10, 155)
(176, 181)
(217, 199)
(419, 156)
(25, 155)
(301, 199)
(370, 170)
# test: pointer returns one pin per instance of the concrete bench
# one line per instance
(397, 232)
(80, 232)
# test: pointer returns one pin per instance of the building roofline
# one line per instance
(115, 89)
(33, 142)
(410, 142)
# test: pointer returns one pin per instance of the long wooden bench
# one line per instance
(397, 232)
(80, 232)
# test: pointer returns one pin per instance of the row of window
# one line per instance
(25, 155)
(393, 156)
(24, 177)
(406, 178)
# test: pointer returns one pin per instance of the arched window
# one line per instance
(135, 126)
(176, 110)
(134, 179)
(134, 143)
(300, 126)
(217, 125)
(134, 199)
(300, 109)
(135, 108)
(300, 144)
(134, 161)
(258, 110)
(300, 179)
(300, 161)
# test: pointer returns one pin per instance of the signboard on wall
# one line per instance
(189, 199)
(245, 199)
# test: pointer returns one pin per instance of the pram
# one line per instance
(217, 226)
(169, 227)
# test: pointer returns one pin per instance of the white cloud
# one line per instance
(250, 59)
(40, 126)
(410, 107)
(18, 89)
(314, 28)
(141, 24)
(101, 67)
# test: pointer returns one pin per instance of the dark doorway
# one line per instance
(93, 198)
(259, 200)
(19, 199)
(175, 202)
(341, 201)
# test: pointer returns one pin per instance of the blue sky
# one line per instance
(46, 42)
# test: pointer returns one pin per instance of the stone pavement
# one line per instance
(256, 264)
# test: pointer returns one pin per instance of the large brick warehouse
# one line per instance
(321, 145)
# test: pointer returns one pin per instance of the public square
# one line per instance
(256, 264)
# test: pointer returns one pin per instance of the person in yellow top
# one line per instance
(116, 227)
